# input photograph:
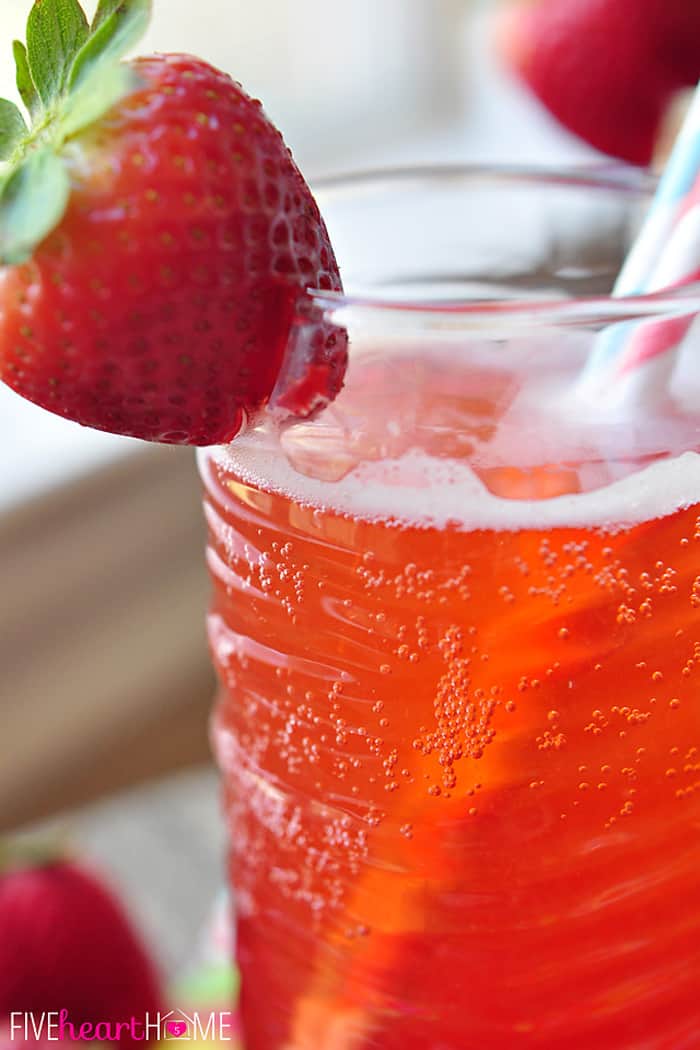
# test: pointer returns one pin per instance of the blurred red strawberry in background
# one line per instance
(607, 69)
(66, 944)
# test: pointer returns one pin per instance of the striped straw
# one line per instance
(665, 255)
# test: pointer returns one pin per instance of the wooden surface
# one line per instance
(105, 676)
(106, 686)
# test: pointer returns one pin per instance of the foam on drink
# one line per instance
(421, 491)
(418, 439)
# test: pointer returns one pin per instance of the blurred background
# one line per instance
(104, 673)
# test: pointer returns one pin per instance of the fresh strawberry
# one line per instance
(157, 239)
(607, 69)
(65, 944)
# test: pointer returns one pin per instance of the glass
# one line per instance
(456, 620)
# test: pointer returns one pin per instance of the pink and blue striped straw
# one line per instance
(665, 255)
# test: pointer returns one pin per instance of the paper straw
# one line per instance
(679, 185)
(666, 254)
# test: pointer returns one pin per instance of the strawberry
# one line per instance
(607, 69)
(156, 240)
(65, 944)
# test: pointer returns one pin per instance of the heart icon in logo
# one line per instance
(176, 1028)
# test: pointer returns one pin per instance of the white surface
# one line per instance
(328, 72)
(161, 848)
(39, 450)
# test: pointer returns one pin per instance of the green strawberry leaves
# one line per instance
(68, 75)
(12, 128)
(95, 94)
(117, 26)
(97, 80)
(25, 85)
(126, 11)
(56, 30)
(63, 50)
(34, 200)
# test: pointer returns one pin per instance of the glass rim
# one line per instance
(480, 314)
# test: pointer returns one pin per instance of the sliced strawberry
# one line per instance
(607, 69)
(66, 944)
(157, 238)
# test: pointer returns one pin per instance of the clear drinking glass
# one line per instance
(456, 620)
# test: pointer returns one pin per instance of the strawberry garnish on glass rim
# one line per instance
(156, 240)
